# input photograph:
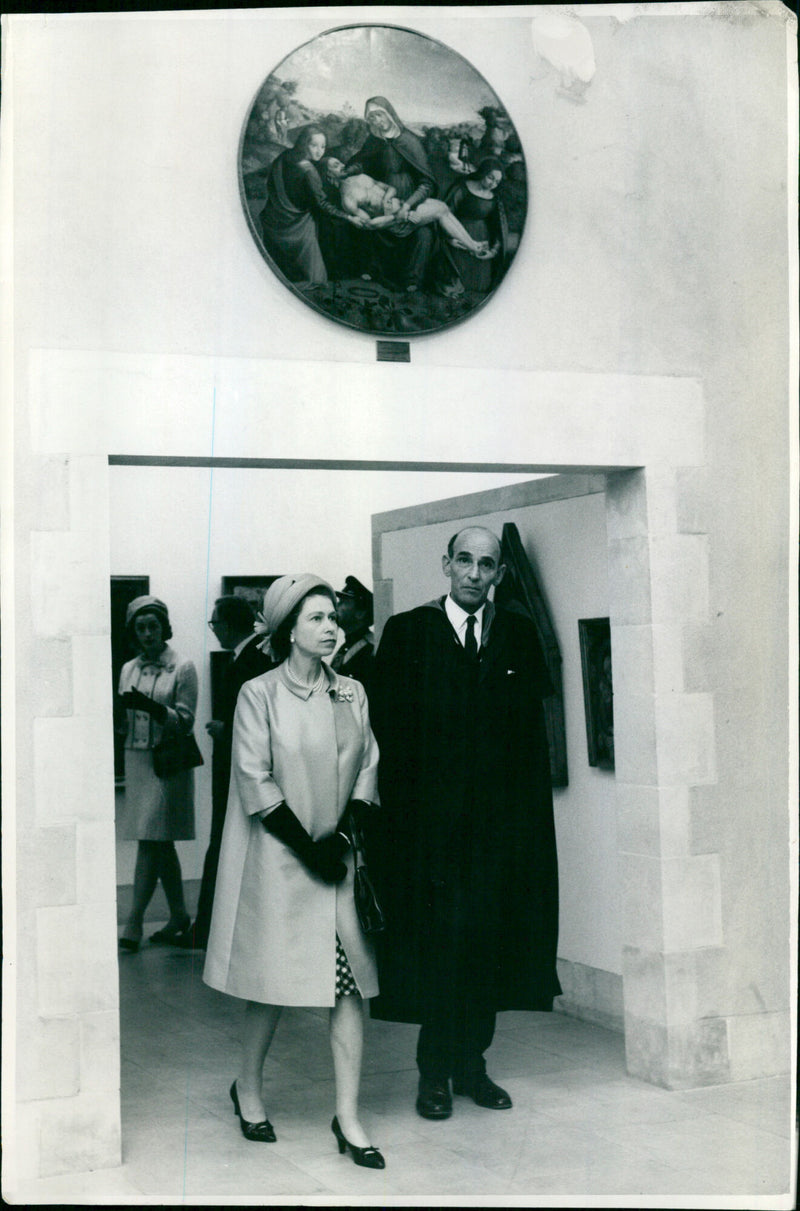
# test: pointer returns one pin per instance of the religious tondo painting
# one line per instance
(383, 180)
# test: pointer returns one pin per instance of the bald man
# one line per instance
(463, 849)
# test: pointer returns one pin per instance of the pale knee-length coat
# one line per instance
(158, 809)
(274, 924)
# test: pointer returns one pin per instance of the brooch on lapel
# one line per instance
(343, 694)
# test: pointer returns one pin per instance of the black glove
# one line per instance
(361, 811)
(135, 700)
(323, 858)
(330, 850)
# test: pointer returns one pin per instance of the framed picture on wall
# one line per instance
(598, 690)
(383, 180)
(252, 588)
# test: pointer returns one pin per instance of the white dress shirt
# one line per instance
(458, 619)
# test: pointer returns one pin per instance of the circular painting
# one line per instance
(383, 181)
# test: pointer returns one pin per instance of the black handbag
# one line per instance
(176, 754)
(368, 910)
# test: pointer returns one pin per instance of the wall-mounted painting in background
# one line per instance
(598, 690)
(252, 588)
(383, 180)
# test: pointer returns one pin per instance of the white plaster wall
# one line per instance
(566, 542)
(249, 523)
(656, 253)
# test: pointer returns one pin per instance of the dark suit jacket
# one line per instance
(248, 664)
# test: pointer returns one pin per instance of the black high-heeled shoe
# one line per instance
(369, 1157)
(129, 944)
(262, 1133)
(172, 937)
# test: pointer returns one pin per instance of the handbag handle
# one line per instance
(356, 840)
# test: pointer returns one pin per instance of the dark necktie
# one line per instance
(470, 643)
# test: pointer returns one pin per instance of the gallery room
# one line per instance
(315, 291)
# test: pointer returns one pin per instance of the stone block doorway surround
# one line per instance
(644, 437)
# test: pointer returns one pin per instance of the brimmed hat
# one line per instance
(280, 599)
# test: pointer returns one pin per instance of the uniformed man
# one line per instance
(354, 611)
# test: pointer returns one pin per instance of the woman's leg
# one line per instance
(145, 878)
(169, 870)
(347, 1039)
(259, 1027)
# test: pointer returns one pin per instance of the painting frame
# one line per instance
(252, 588)
(598, 692)
(419, 278)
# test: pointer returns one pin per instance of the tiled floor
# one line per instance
(579, 1127)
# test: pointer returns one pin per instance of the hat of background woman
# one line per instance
(152, 604)
(280, 599)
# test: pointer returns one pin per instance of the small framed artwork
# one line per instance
(383, 180)
(598, 690)
(252, 588)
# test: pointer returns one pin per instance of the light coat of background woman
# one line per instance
(284, 930)
(159, 691)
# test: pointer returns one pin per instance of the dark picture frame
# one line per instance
(329, 231)
(519, 590)
(598, 690)
(252, 588)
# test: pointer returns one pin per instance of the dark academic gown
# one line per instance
(463, 850)
(251, 662)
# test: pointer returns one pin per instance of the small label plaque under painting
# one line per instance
(394, 351)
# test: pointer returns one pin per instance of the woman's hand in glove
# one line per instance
(135, 700)
(328, 854)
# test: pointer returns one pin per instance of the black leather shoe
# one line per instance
(434, 1100)
(483, 1092)
(260, 1133)
(172, 937)
(190, 939)
(369, 1157)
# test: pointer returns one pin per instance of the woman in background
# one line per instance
(474, 202)
(159, 691)
(284, 929)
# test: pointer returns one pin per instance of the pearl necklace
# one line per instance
(301, 685)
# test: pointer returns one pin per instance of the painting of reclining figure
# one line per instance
(383, 180)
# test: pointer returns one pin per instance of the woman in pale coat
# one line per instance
(284, 930)
(159, 691)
